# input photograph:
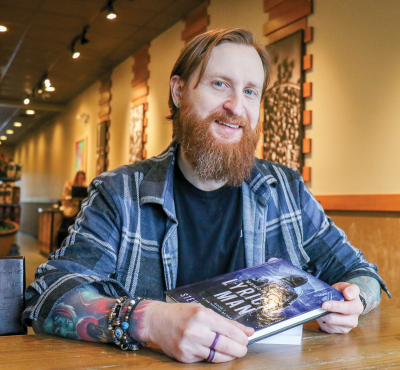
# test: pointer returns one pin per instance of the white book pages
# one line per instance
(292, 336)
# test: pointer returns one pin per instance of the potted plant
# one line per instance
(8, 229)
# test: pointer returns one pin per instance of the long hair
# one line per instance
(77, 175)
(198, 52)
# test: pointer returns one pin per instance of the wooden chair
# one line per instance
(12, 295)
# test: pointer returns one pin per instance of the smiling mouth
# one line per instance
(227, 124)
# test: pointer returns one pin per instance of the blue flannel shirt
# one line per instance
(125, 240)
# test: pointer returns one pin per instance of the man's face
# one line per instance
(232, 84)
(218, 119)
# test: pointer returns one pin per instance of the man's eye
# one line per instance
(218, 83)
(249, 92)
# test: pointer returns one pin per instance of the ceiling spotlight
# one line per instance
(17, 124)
(40, 91)
(110, 9)
(50, 88)
(3, 137)
(30, 112)
(3, 28)
(76, 54)
(9, 132)
(47, 82)
(26, 101)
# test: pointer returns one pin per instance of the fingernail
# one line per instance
(326, 306)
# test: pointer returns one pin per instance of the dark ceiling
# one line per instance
(37, 42)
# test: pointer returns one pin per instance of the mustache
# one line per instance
(227, 118)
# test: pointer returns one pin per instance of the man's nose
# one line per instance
(234, 104)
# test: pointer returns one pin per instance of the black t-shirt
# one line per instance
(210, 236)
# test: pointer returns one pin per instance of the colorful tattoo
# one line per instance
(82, 314)
(370, 289)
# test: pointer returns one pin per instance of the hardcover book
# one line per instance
(272, 297)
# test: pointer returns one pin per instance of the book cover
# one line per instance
(271, 297)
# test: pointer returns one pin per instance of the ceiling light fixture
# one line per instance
(47, 82)
(9, 132)
(110, 9)
(80, 38)
(17, 124)
(50, 88)
(30, 112)
(26, 100)
(3, 29)
(3, 137)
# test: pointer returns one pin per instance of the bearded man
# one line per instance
(204, 207)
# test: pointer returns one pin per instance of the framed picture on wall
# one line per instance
(136, 134)
(81, 146)
(283, 103)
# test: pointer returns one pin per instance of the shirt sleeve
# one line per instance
(332, 257)
(87, 256)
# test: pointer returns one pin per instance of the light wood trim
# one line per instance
(307, 62)
(306, 146)
(293, 15)
(306, 173)
(105, 110)
(195, 29)
(140, 76)
(270, 4)
(144, 138)
(307, 89)
(285, 7)
(307, 117)
(144, 153)
(309, 34)
(105, 97)
(140, 91)
(370, 202)
(286, 31)
(105, 87)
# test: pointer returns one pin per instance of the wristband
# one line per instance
(364, 303)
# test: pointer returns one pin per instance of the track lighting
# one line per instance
(9, 132)
(27, 100)
(30, 112)
(110, 9)
(82, 39)
(3, 28)
(17, 124)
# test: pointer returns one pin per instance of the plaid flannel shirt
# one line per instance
(125, 239)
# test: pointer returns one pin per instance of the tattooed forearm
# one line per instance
(370, 289)
(83, 315)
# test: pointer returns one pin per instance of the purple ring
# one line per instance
(211, 356)
(215, 341)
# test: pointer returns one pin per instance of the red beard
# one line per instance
(212, 158)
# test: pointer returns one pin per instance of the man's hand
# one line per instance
(345, 313)
(186, 331)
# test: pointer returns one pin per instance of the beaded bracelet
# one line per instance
(118, 330)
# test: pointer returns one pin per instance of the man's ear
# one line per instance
(176, 86)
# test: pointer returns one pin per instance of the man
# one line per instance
(202, 208)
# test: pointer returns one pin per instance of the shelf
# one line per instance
(9, 179)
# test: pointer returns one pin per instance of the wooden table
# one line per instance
(375, 344)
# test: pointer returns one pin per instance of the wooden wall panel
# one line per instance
(370, 202)
(140, 85)
(377, 234)
(285, 17)
(270, 4)
(301, 11)
(286, 31)
(196, 22)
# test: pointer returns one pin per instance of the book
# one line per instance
(271, 298)
(291, 336)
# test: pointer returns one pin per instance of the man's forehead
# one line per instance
(236, 60)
